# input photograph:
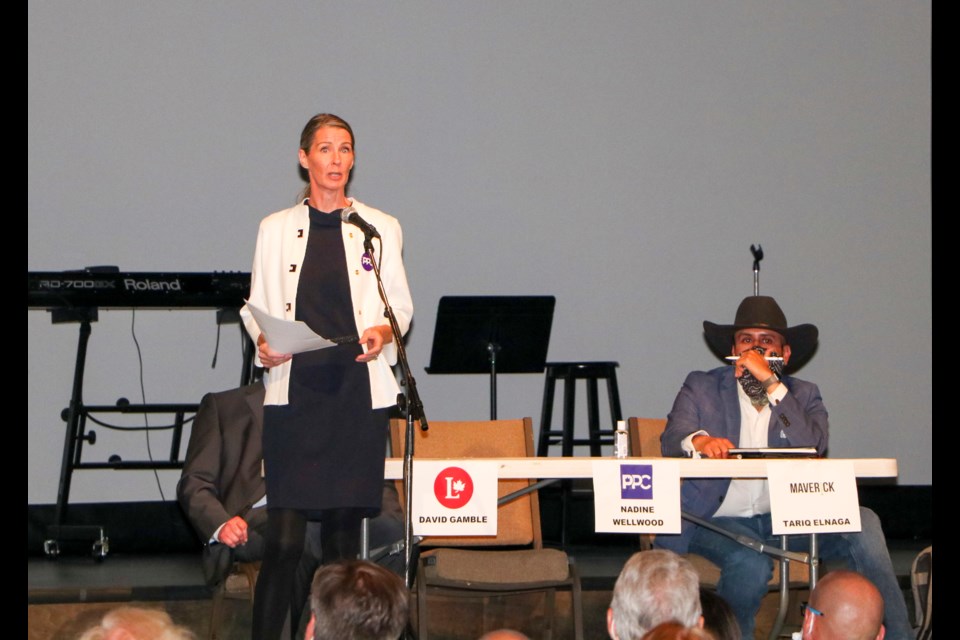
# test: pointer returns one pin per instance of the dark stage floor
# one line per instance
(162, 569)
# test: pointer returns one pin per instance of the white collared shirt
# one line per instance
(746, 497)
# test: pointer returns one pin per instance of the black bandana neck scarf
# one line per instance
(753, 387)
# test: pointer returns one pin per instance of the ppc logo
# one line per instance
(366, 261)
(453, 487)
(636, 481)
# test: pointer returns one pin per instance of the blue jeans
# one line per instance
(744, 573)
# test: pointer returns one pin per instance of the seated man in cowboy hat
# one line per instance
(755, 404)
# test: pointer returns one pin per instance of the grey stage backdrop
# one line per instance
(621, 156)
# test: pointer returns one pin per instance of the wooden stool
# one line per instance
(570, 372)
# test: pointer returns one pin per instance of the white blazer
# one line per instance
(281, 245)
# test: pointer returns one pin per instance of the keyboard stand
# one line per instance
(75, 416)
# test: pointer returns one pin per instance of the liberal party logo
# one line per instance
(453, 487)
(366, 261)
(636, 481)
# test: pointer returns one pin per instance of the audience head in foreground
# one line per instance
(675, 631)
(357, 600)
(137, 623)
(718, 616)
(504, 634)
(844, 606)
(654, 586)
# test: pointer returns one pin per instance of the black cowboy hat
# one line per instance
(763, 312)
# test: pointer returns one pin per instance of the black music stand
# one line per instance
(492, 334)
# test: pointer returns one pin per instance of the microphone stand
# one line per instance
(411, 405)
(757, 252)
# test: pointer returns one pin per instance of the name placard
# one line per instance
(813, 496)
(636, 496)
(454, 499)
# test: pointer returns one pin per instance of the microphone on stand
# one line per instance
(350, 215)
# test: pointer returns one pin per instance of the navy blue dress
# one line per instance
(326, 448)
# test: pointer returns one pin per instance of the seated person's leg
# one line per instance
(744, 573)
(387, 529)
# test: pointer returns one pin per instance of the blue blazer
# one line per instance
(708, 400)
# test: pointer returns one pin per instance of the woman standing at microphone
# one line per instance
(325, 411)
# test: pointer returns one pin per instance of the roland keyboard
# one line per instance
(114, 289)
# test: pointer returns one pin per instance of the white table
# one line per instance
(542, 468)
(582, 467)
